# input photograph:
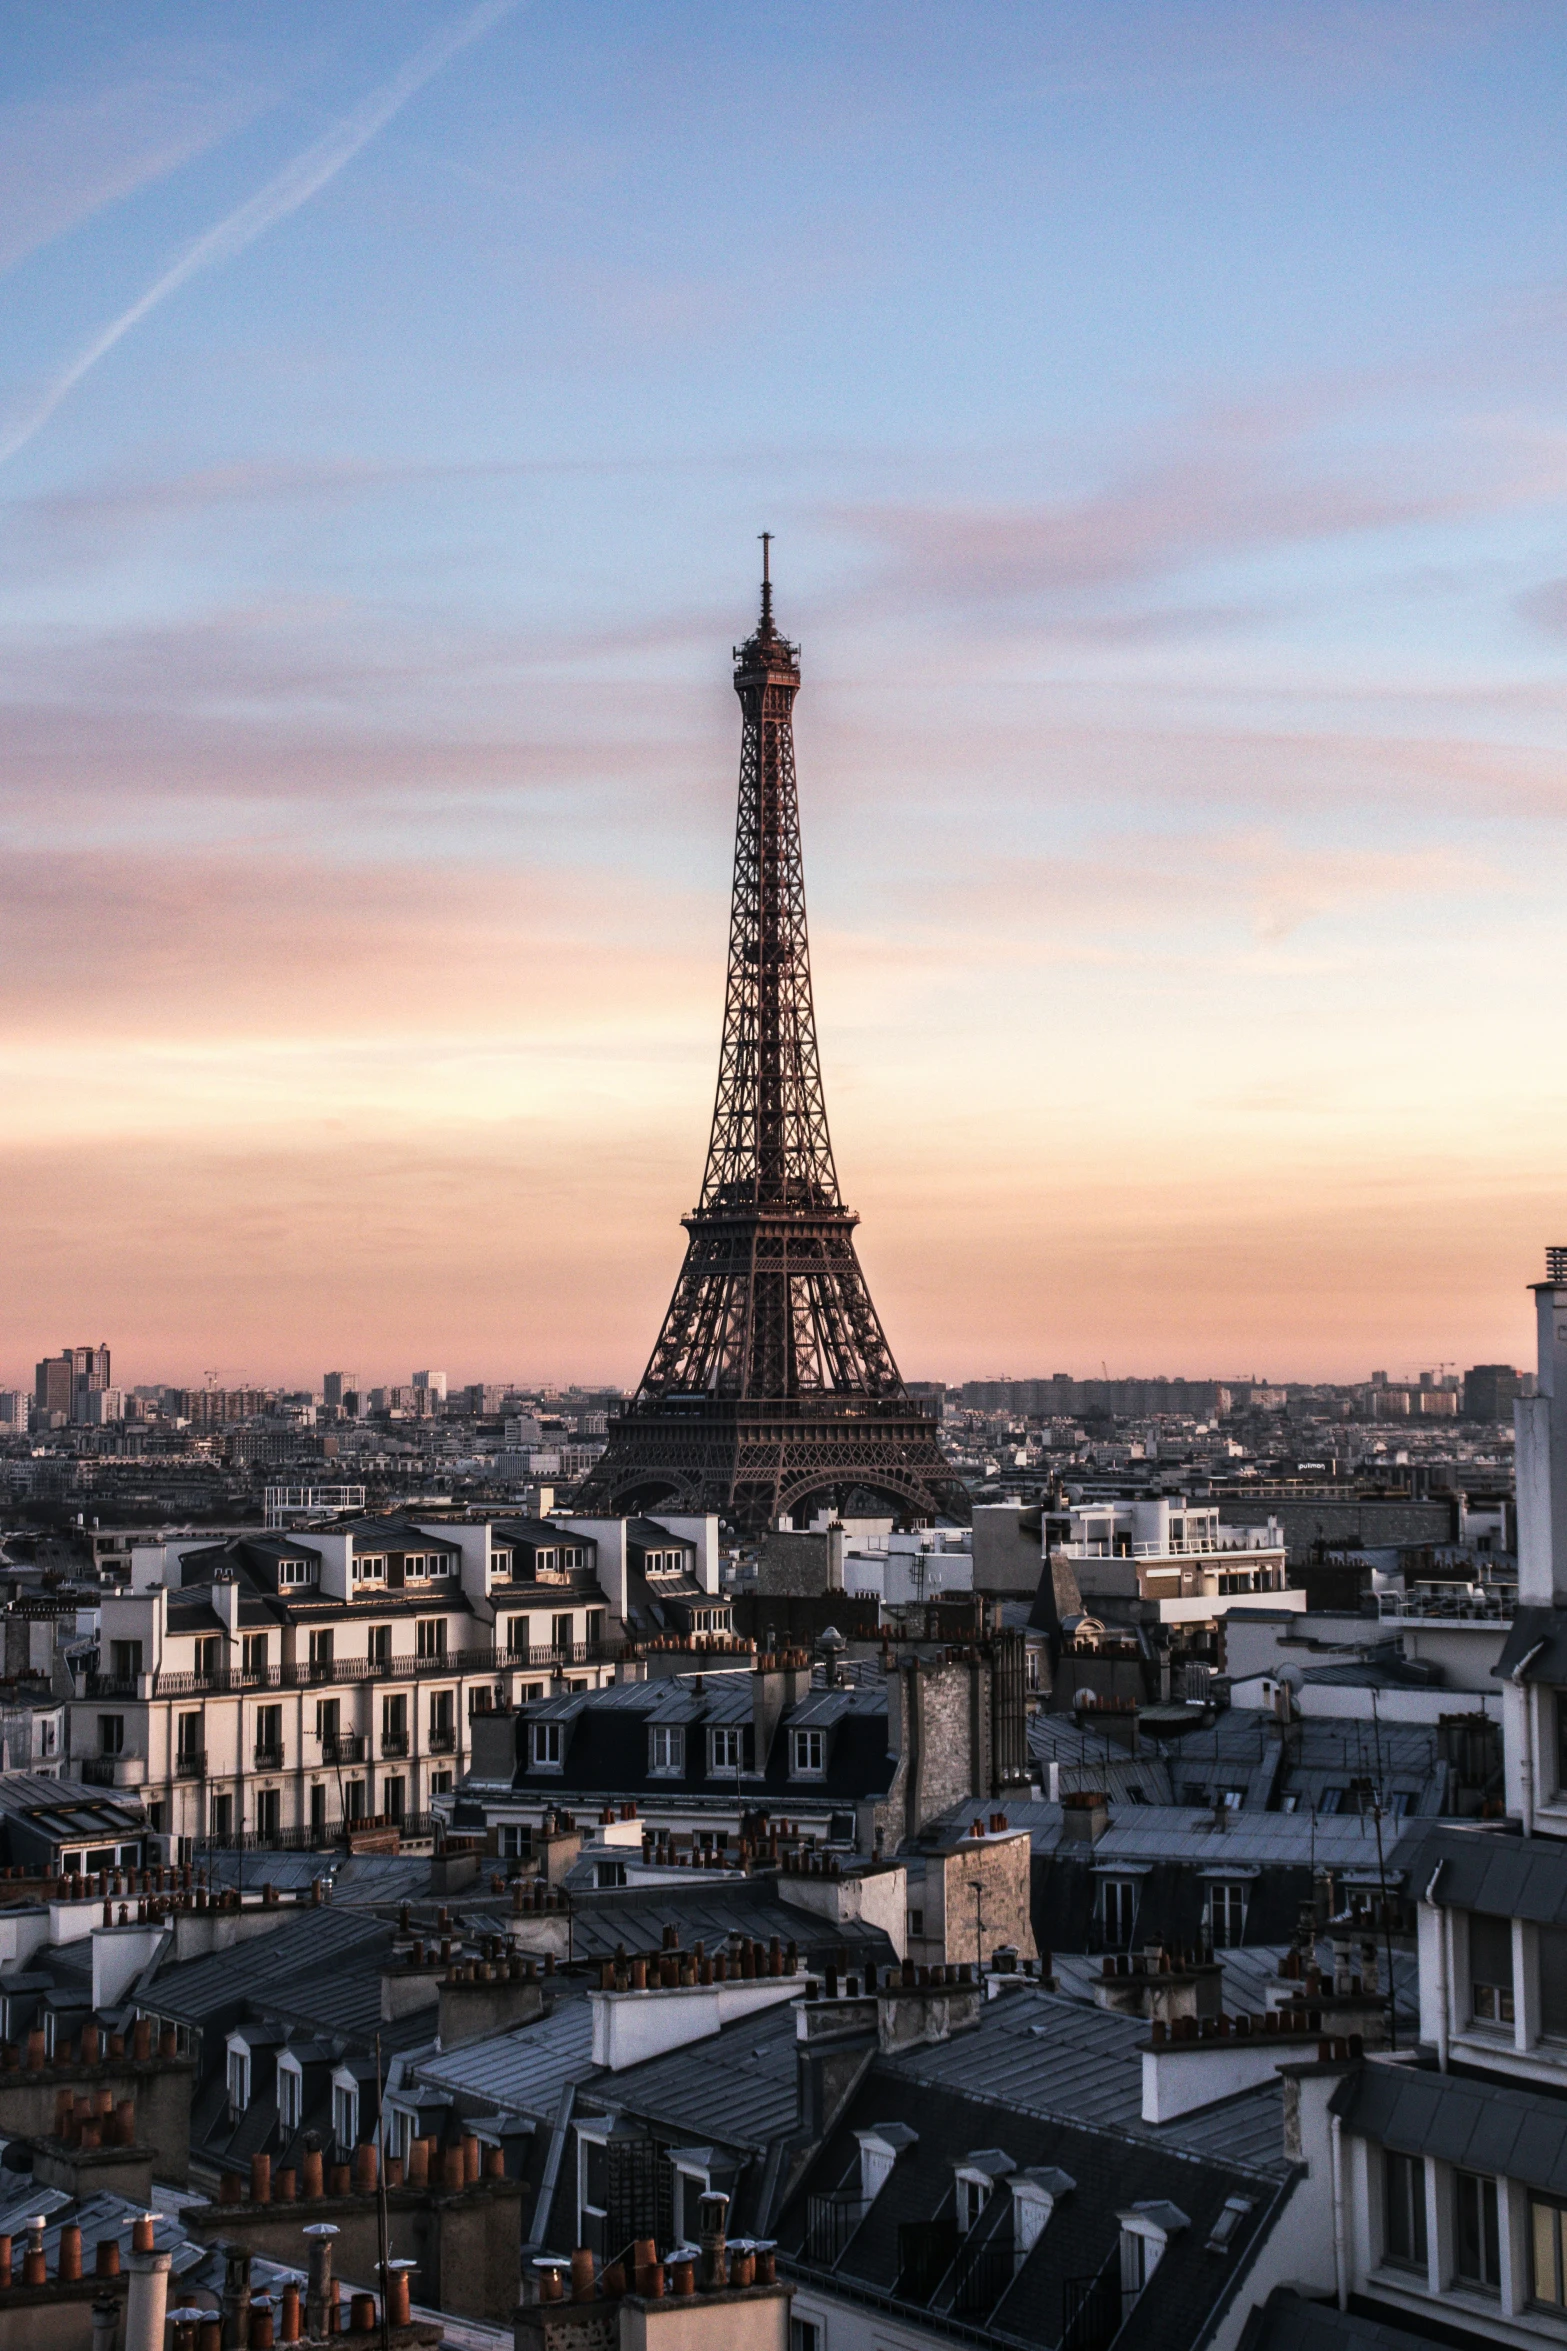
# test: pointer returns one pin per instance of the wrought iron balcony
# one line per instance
(269, 1758)
(983, 2276)
(304, 1676)
(190, 1763)
(394, 1742)
(831, 2221)
(443, 1741)
(342, 1747)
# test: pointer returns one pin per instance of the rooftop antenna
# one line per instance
(767, 580)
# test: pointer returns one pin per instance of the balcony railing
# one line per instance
(353, 1669)
(443, 1741)
(112, 1771)
(984, 2275)
(926, 2251)
(1464, 1604)
(318, 1839)
(190, 1763)
(342, 1747)
(1124, 1548)
(830, 2221)
(394, 1742)
(269, 1758)
(1091, 2310)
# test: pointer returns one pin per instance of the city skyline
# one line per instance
(1160, 422)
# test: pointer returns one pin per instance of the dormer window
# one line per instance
(292, 1572)
(238, 2077)
(1035, 2195)
(371, 1569)
(500, 1562)
(546, 1746)
(345, 2114)
(809, 1752)
(290, 2094)
(666, 1750)
(1227, 1914)
(1146, 2230)
(976, 2179)
(879, 2151)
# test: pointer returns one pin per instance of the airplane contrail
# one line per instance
(293, 186)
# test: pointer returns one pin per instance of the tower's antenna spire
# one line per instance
(767, 580)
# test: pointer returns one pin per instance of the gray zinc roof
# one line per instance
(1247, 1973)
(1242, 1839)
(738, 2087)
(522, 2072)
(1041, 2055)
(307, 1950)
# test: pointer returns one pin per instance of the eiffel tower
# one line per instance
(771, 1385)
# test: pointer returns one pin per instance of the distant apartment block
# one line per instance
(1490, 1391)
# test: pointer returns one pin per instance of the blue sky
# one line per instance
(1159, 412)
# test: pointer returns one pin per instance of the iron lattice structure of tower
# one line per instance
(771, 1382)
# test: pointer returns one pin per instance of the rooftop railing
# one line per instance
(1229, 1541)
(1464, 1604)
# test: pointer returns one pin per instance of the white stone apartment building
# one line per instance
(1175, 1557)
(276, 1685)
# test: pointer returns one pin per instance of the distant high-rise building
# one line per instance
(63, 1382)
(335, 1385)
(1490, 1391)
(435, 1381)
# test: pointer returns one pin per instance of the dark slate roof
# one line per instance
(649, 1534)
(397, 1534)
(1035, 2054)
(1082, 2237)
(1504, 1875)
(1475, 2120)
(606, 1743)
(636, 1916)
(1248, 1973)
(279, 1969)
(521, 2072)
(66, 1808)
(1288, 2322)
(357, 1880)
(738, 2087)
(1532, 1627)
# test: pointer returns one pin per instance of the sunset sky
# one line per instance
(1160, 413)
